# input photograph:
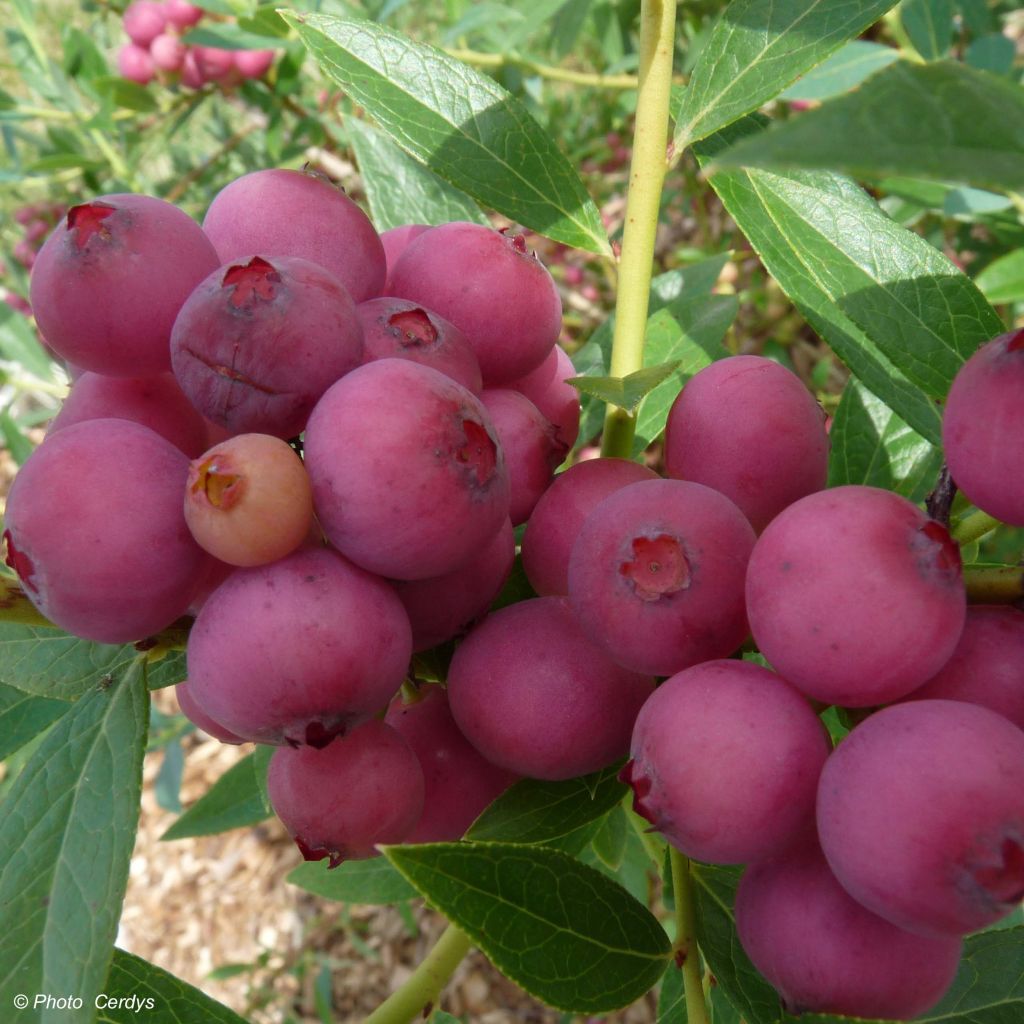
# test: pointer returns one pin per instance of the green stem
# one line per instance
(973, 526)
(424, 986)
(646, 178)
(685, 948)
(996, 584)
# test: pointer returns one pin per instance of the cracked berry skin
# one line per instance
(855, 596)
(409, 480)
(823, 952)
(983, 412)
(656, 575)
(109, 281)
(725, 762)
(259, 341)
(96, 532)
(338, 802)
(400, 329)
(491, 287)
(535, 696)
(291, 213)
(298, 651)
(921, 815)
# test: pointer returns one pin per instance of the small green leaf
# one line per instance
(944, 121)
(994, 53)
(929, 25)
(460, 123)
(629, 391)
(18, 343)
(23, 717)
(235, 800)
(229, 36)
(399, 189)
(843, 71)
(17, 444)
(146, 992)
(609, 842)
(672, 998)
(67, 829)
(757, 48)
(1003, 279)
(972, 203)
(372, 881)
(541, 812)
(872, 445)
(715, 895)
(690, 332)
(50, 663)
(568, 934)
(125, 94)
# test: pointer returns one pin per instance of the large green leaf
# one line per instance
(23, 717)
(895, 310)
(370, 881)
(47, 662)
(401, 190)
(67, 830)
(715, 896)
(757, 48)
(233, 801)
(844, 70)
(944, 121)
(565, 932)
(872, 445)
(137, 990)
(460, 123)
(542, 812)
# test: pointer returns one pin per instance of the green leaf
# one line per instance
(972, 203)
(993, 53)
(159, 997)
(843, 71)
(167, 670)
(757, 48)
(67, 829)
(541, 812)
(609, 842)
(23, 717)
(460, 123)
(229, 36)
(872, 445)
(19, 447)
(894, 309)
(50, 663)
(688, 332)
(568, 934)
(672, 998)
(372, 881)
(929, 26)
(125, 94)
(233, 801)
(401, 190)
(944, 121)
(629, 391)
(1003, 279)
(715, 895)
(19, 343)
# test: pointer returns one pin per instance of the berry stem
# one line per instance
(643, 201)
(415, 998)
(972, 526)
(685, 947)
(994, 584)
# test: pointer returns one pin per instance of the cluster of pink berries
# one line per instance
(155, 28)
(37, 220)
(421, 369)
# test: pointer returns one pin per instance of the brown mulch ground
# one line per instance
(197, 906)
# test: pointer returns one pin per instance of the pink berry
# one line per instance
(254, 63)
(143, 21)
(135, 64)
(167, 52)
